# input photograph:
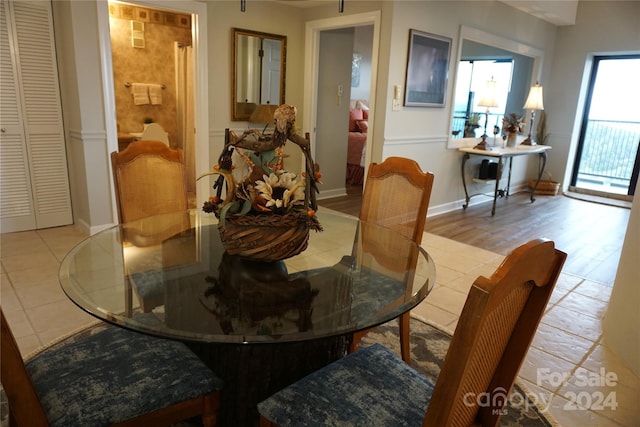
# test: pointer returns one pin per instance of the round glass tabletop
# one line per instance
(170, 276)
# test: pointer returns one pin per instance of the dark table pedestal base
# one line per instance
(251, 373)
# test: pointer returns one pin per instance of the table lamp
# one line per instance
(263, 114)
(534, 102)
(488, 100)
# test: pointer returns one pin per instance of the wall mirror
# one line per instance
(491, 70)
(258, 71)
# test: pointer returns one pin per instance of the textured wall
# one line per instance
(152, 64)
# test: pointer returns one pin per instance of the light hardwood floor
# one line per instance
(591, 233)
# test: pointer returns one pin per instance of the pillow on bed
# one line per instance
(363, 125)
(355, 114)
(361, 104)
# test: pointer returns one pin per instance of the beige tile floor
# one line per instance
(569, 340)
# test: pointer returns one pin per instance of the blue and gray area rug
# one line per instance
(429, 347)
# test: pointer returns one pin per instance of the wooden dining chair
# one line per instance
(149, 180)
(373, 386)
(114, 377)
(396, 195)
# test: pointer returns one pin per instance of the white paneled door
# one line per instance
(34, 183)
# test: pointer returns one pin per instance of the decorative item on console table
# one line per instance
(265, 213)
(546, 187)
(471, 125)
(512, 125)
(541, 133)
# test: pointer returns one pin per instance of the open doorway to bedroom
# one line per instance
(359, 108)
(314, 90)
(343, 108)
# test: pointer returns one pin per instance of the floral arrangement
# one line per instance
(265, 212)
(512, 123)
(275, 192)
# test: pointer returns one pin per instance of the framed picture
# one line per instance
(427, 70)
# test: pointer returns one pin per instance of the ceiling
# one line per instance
(553, 11)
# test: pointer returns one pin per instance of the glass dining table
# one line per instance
(259, 325)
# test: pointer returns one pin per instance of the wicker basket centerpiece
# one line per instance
(265, 212)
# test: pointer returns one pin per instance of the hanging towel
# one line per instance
(155, 94)
(140, 93)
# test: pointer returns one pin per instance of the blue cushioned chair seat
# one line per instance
(148, 284)
(379, 289)
(115, 375)
(370, 387)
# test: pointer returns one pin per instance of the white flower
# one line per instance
(281, 190)
(297, 198)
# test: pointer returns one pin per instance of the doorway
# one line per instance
(313, 115)
(608, 156)
(149, 87)
(334, 93)
(197, 11)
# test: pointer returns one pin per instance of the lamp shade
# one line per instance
(534, 100)
(263, 114)
(488, 98)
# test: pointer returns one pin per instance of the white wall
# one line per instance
(261, 16)
(422, 133)
(83, 111)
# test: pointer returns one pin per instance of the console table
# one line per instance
(503, 154)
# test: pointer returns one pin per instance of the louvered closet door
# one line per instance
(34, 184)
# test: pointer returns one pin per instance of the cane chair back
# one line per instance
(149, 179)
(396, 196)
(372, 386)
(493, 335)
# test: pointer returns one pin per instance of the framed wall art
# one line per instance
(427, 70)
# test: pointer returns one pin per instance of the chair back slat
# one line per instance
(396, 196)
(24, 405)
(492, 337)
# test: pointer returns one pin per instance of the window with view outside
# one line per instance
(471, 84)
(607, 156)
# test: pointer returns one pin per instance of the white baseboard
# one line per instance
(328, 194)
(457, 204)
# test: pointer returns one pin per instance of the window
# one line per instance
(471, 86)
